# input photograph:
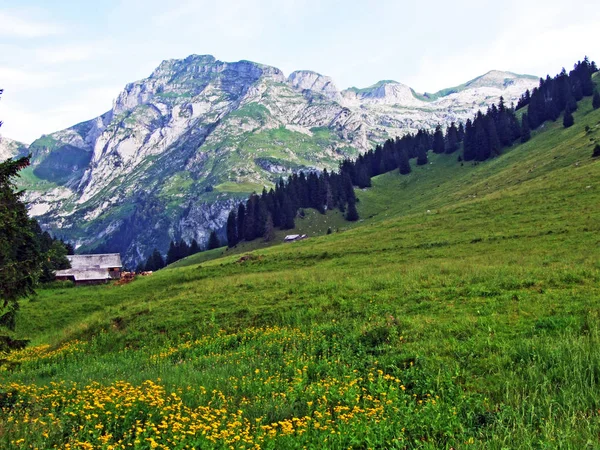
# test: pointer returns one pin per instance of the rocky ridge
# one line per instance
(178, 148)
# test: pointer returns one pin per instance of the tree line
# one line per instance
(478, 139)
(558, 94)
(277, 208)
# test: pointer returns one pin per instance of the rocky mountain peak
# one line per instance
(386, 92)
(313, 81)
(177, 149)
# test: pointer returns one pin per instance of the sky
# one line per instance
(63, 62)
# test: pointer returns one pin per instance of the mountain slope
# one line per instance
(472, 324)
(177, 148)
(11, 149)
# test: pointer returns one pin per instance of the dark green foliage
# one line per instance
(596, 152)
(568, 119)
(438, 140)
(213, 241)
(232, 235)
(269, 233)
(55, 258)
(596, 100)
(452, 140)
(194, 247)
(154, 262)
(352, 213)
(555, 95)
(20, 254)
(525, 130)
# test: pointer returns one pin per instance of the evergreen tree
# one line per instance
(403, 162)
(172, 253)
(438, 140)
(451, 139)
(157, 260)
(183, 250)
(241, 216)
(288, 214)
(20, 255)
(194, 247)
(213, 241)
(269, 229)
(568, 119)
(461, 132)
(422, 156)
(352, 214)
(596, 100)
(249, 220)
(525, 130)
(232, 236)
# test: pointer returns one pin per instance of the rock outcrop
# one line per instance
(178, 148)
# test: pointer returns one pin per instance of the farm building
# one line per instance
(294, 237)
(92, 269)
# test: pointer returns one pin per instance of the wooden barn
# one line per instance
(92, 269)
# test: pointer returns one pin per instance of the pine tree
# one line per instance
(194, 247)
(213, 241)
(403, 162)
(568, 119)
(525, 130)
(172, 253)
(20, 255)
(451, 139)
(596, 100)
(288, 214)
(241, 216)
(269, 229)
(232, 236)
(183, 250)
(421, 156)
(438, 140)
(352, 214)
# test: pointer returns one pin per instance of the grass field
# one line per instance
(463, 311)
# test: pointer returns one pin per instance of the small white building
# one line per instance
(92, 269)
(294, 237)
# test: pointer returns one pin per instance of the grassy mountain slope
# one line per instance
(462, 310)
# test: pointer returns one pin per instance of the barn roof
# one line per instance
(84, 274)
(91, 267)
(102, 261)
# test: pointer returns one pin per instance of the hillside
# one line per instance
(11, 149)
(180, 147)
(462, 311)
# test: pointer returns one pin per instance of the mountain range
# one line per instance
(179, 148)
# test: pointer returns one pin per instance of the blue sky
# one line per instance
(63, 62)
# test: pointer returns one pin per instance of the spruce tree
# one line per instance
(241, 216)
(288, 214)
(213, 241)
(232, 236)
(352, 213)
(20, 256)
(172, 255)
(438, 140)
(525, 130)
(568, 119)
(421, 156)
(451, 139)
(194, 247)
(269, 229)
(596, 100)
(403, 162)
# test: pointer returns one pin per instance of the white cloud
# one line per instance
(12, 25)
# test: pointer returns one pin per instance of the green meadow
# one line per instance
(461, 311)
